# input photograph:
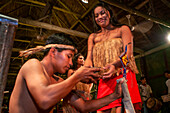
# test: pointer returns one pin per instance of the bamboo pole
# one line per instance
(136, 12)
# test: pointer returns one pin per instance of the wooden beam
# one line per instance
(14, 68)
(136, 12)
(166, 3)
(81, 4)
(75, 17)
(27, 41)
(84, 15)
(12, 74)
(16, 64)
(44, 13)
(153, 50)
(54, 7)
(129, 4)
(26, 29)
(16, 49)
(5, 4)
(137, 8)
(33, 23)
(58, 21)
(138, 50)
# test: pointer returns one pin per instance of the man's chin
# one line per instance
(62, 71)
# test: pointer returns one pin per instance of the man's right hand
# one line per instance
(87, 74)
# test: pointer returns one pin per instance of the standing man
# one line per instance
(146, 92)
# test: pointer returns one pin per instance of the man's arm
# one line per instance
(44, 93)
(92, 105)
(150, 91)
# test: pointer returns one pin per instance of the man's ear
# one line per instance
(52, 51)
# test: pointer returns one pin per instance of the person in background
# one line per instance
(78, 61)
(166, 97)
(105, 46)
(167, 75)
(146, 92)
(82, 89)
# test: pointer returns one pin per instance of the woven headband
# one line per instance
(30, 51)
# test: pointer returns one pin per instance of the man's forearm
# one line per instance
(93, 105)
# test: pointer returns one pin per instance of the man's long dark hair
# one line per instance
(112, 20)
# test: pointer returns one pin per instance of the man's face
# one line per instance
(62, 60)
(101, 16)
(167, 75)
(80, 60)
(143, 81)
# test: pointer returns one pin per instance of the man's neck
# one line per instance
(144, 84)
(48, 68)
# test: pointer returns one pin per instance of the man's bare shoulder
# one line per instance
(32, 62)
(30, 65)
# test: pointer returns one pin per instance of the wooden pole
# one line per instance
(7, 33)
(33, 23)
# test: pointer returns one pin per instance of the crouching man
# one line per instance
(38, 90)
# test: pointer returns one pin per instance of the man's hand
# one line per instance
(87, 74)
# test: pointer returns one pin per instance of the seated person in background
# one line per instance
(37, 89)
(146, 92)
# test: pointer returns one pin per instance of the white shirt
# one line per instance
(145, 91)
(168, 85)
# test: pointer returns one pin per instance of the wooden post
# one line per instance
(7, 32)
(28, 22)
